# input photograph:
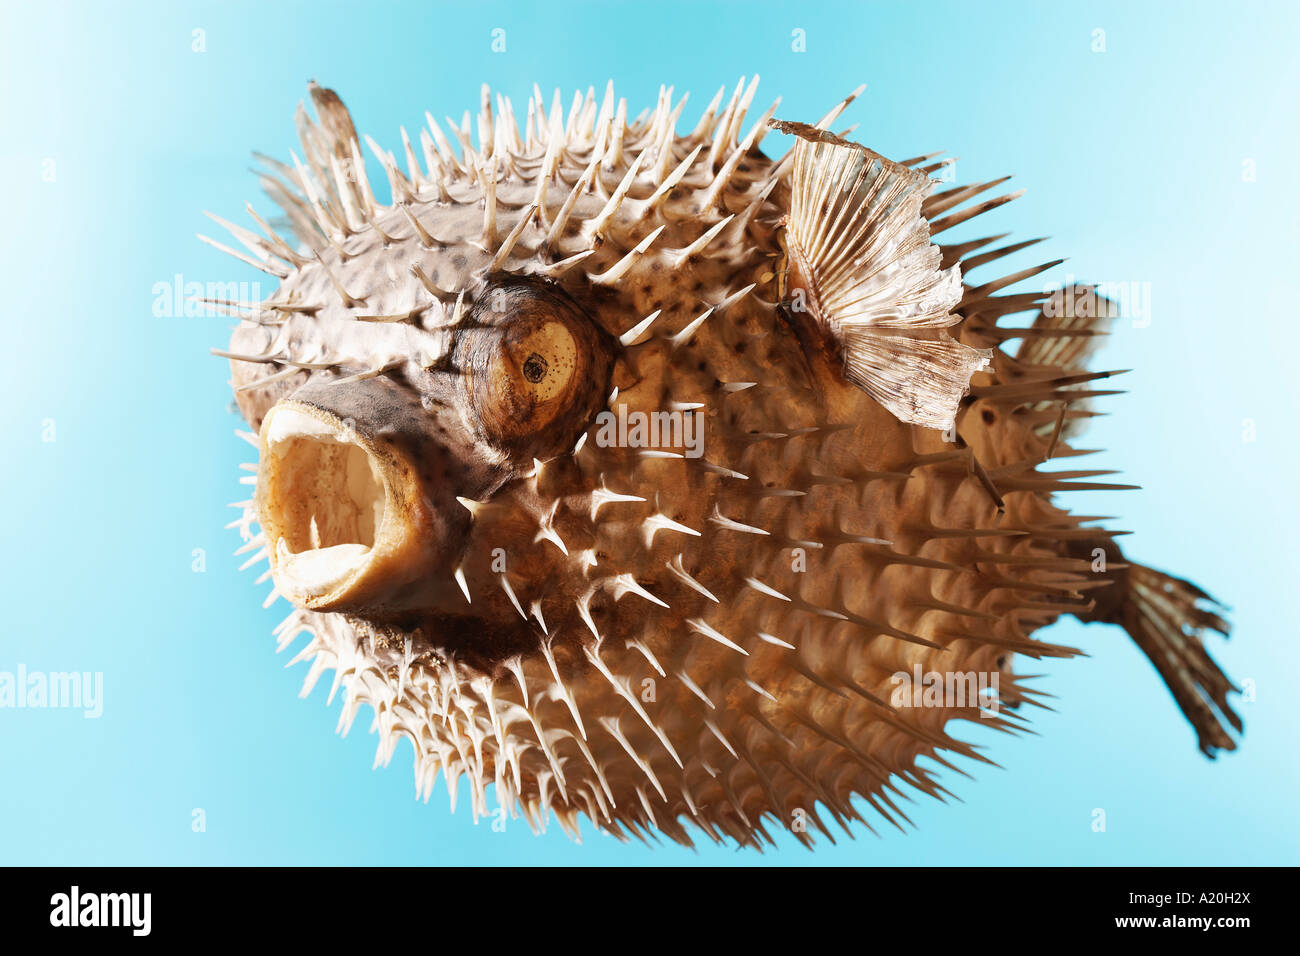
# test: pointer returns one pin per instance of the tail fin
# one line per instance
(1167, 618)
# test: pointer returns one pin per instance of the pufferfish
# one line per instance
(640, 476)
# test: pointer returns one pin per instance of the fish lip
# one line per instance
(357, 495)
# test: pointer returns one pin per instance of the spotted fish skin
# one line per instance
(670, 637)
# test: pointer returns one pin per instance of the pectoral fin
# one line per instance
(859, 259)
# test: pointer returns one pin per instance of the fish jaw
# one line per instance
(357, 498)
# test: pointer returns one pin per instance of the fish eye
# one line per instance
(534, 367)
(537, 366)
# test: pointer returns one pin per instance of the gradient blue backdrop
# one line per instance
(1133, 159)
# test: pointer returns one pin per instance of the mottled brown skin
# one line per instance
(978, 556)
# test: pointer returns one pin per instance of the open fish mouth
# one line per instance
(330, 504)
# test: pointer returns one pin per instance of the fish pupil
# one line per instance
(534, 368)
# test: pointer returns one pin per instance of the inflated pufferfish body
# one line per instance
(633, 472)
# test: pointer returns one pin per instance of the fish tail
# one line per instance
(1168, 618)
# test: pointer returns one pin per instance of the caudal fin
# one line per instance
(1168, 617)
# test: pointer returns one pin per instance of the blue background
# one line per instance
(1133, 160)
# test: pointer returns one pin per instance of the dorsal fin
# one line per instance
(1068, 329)
(859, 258)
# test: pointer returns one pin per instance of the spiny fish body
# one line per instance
(632, 471)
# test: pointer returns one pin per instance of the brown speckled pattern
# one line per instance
(636, 714)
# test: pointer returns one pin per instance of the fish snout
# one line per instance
(356, 496)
